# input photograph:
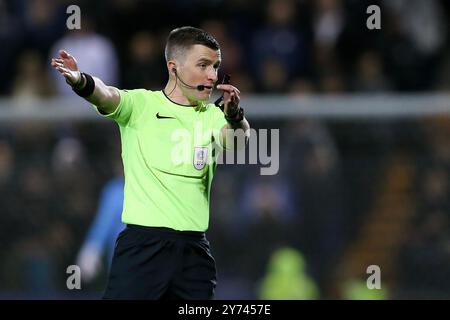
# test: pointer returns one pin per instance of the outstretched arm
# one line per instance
(106, 98)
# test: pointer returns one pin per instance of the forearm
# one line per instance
(92, 89)
(106, 98)
(241, 130)
(244, 125)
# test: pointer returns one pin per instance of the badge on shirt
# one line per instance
(200, 157)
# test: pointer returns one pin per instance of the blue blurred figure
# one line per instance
(103, 231)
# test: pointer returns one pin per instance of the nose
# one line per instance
(212, 75)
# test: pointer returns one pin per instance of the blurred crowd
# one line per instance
(274, 46)
(51, 176)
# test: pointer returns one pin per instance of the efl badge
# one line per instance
(200, 157)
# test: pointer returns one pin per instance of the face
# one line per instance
(199, 67)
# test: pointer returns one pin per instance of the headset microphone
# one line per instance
(199, 87)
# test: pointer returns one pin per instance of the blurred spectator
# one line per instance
(287, 277)
(31, 80)
(12, 33)
(426, 250)
(274, 77)
(315, 176)
(233, 58)
(415, 34)
(279, 40)
(103, 232)
(97, 248)
(267, 211)
(145, 67)
(45, 21)
(329, 20)
(307, 38)
(370, 74)
(422, 21)
(68, 157)
(332, 82)
(95, 53)
(302, 87)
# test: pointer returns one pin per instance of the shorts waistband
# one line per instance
(168, 231)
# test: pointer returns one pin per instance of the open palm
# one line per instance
(66, 64)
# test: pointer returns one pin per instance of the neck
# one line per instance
(173, 91)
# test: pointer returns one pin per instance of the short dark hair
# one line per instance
(181, 39)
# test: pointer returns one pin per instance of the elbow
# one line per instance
(109, 100)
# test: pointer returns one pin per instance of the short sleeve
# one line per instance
(129, 109)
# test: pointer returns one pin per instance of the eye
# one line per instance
(203, 65)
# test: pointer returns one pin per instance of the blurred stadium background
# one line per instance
(364, 143)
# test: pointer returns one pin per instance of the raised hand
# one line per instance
(66, 64)
(230, 97)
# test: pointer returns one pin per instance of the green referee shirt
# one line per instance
(167, 158)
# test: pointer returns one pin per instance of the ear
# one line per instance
(171, 66)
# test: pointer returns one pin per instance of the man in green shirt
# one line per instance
(168, 141)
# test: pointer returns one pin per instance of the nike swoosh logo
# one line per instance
(163, 117)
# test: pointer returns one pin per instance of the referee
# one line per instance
(163, 252)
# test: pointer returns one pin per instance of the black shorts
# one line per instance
(161, 263)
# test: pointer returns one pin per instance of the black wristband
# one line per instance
(237, 117)
(88, 87)
(78, 84)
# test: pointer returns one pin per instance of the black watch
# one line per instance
(237, 117)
